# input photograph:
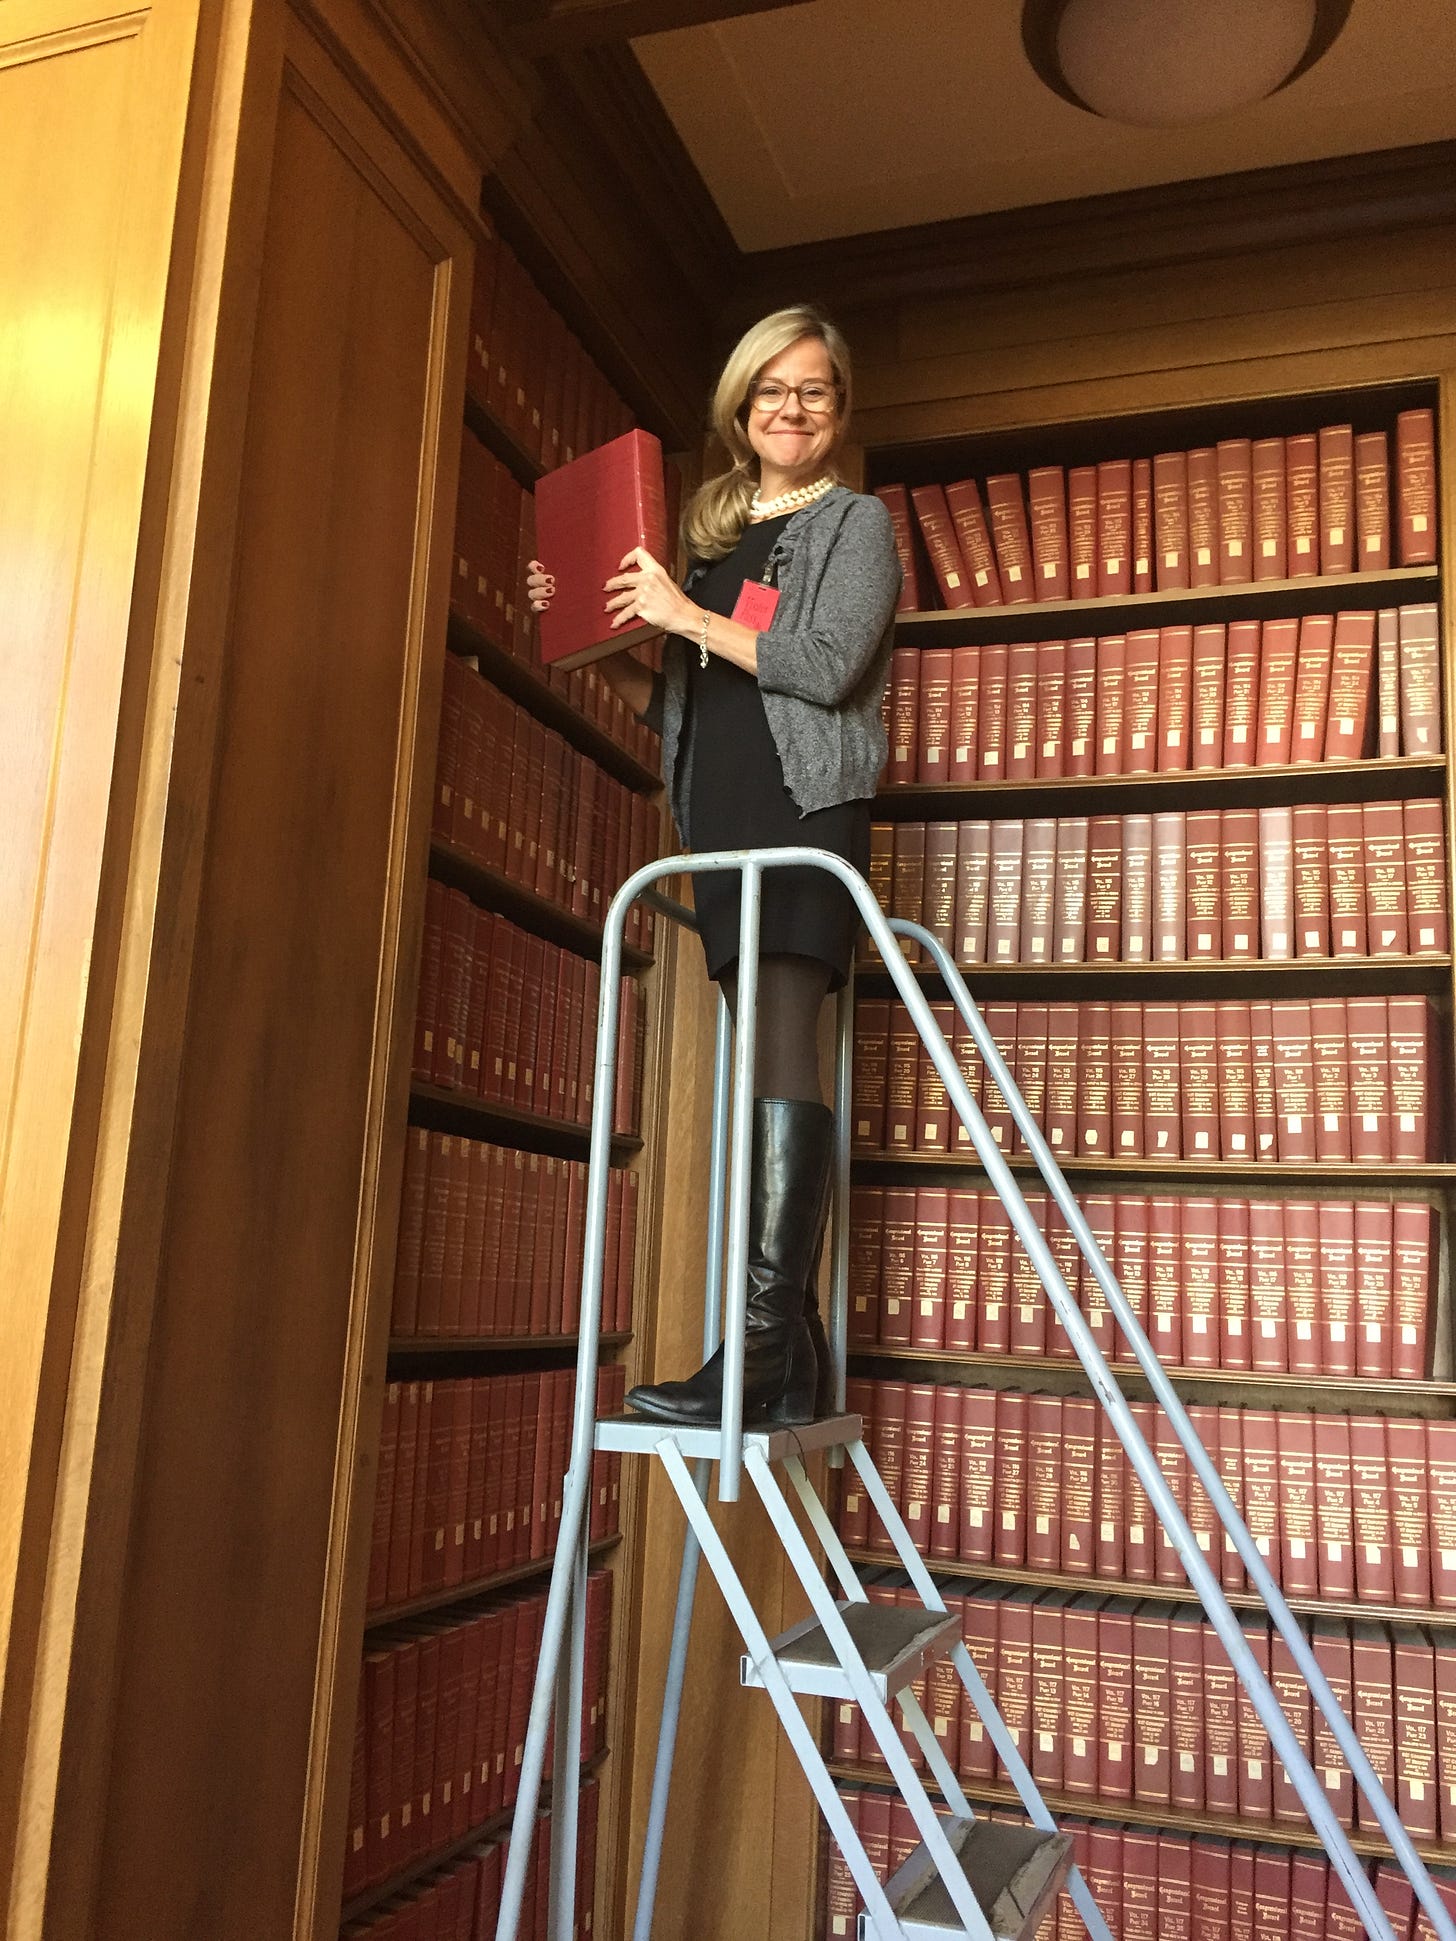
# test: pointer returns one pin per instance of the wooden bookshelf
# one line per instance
(525, 468)
(1335, 1175)
(443, 1110)
(493, 890)
(1296, 978)
(444, 1596)
(1251, 600)
(410, 1347)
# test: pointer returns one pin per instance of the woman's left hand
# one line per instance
(643, 591)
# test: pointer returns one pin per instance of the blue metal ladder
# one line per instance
(970, 1879)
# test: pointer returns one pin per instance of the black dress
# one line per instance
(737, 799)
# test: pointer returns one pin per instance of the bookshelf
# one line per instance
(1399, 776)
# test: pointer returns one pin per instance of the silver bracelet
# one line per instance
(703, 643)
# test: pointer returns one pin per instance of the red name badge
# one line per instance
(755, 605)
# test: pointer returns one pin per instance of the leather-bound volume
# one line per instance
(963, 1225)
(1338, 1318)
(896, 501)
(1302, 501)
(1210, 649)
(1165, 1291)
(1012, 1475)
(1109, 729)
(907, 882)
(1278, 661)
(1162, 1108)
(1372, 502)
(932, 760)
(1021, 712)
(1334, 1507)
(1203, 516)
(1127, 1081)
(1080, 712)
(973, 880)
(897, 1267)
(965, 712)
(1268, 1295)
(588, 515)
(871, 1068)
(1240, 841)
(1029, 1068)
(1271, 528)
(991, 729)
(1387, 682)
(1372, 1672)
(1445, 1667)
(1233, 1051)
(1188, 1747)
(1063, 1038)
(1383, 829)
(1415, 1092)
(1077, 1732)
(1175, 698)
(1199, 1080)
(1077, 1470)
(977, 1493)
(1413, 1259)
(1416, 1794)
(1367, 1031)
(1241, 695)
(1051, 708)
(1337, 499)
(1298, 1541)
(939, 534)
(1261, 1051)
(1094, 1102)
(1370, 1494)
(1200, 1282)
(1137, 888)
(1311, 884)
(1428, 919)
(1151, 1704)
(1069, 908)
(1220, 1733)
(1256, 1774)
(1415, 487)
(1235, 511)
(1204, 883)
(1046, 495)
(1001, 1023)
(1004, 919)
(981, 1631)
(1039, 859)
(1104, 889)
(1231, 1475)
(1132, 1215)
(889, 1405)
(919, 1461)
(1107, 1499)
(963, 502)
(1294, 1083)
(866, 1218)
(1170, 520)
(993, 1279)
(1352, 678)
(1115, 1754)
(1114, 528)
(1420, 680)
(1043, 1488)
(1330, 1047)
(942, 852)
(1441, 1479)
(1170, 905)
(904, 698)
(1010, 537)
(1405, 1442)
(1345, 841)
(1140, 702)
(1311, 687)
(1330, 1643)
(927, 1313)
(1142, 525)
(1295, 1702)
(1082, 531)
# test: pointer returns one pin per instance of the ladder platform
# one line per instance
(1014, 1872)
(897, 1645)
(638, 1435)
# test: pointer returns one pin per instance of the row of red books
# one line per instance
(460, 1900)
(1119, 1700)
(517, 797)
(510, 1018)
(1356, 1079)
(1243, 510)
(1344, 879)
(1328, 688)
(495, 538)
(1346, 1507)
(441, 1726)
(1309, 1287)
(1158, 1885)
(491, 1241)
(528, 369)
(471, 1474)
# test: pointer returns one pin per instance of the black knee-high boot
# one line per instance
(793, 1141)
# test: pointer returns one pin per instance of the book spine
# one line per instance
(1082, 530)
(1383, 831)
(896, 501)
(1069, 917)
(1209, 656)
(1170, 520)
(1276, 883)
(965, 709)
(1372, 502)
(1235, 511)
(1114, 528)
(1175, 698)
(1302, 499)
(1140, 702)
(1021, 670)
(1387, 682)
(1047, 497)
(932, 763)
(963, 501)
(1203, 516)
(991, 733)
(1271, 527)
(1241, 694)
(1233, 1051)
(1010, 537)
(1352, 670)
(1142, 525)
(1415, 471)
(904, 698)
(1109, 730)
(1337, 499)
(1051, 708)
(939, 534)
(1420, 680)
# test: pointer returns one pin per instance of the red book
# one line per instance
(854, 1509)
(1294, 1083)
(1109, 731)
(1383, 828)
(1200, 1283)
(973, 875)
(941, 866)
(1131, 1261)
(1234, 1052)
(1231, 1474)
(1080, 712)
(1352, 671)
(1127, 1081)
(1009, 534)
(1311, 888)
(1051, 707)
(1162, 1111)
(1165, 1289)
(1114, 528)
(1082, 530)
(1107, 1482)
(1004, 915)
(889, 1447)
(946, 1471)
(1047, 500)
(1175, 698)
(1220, 1731)
(965, 711)
(1261, 1043)
(1268, 1296)
(589, 514)
(897, 1267)
(1044, 1482)
(1137, 888)
(1298, 1570)
(993, 1279)
(962, 1237)
(932, 1215)
(1038, 881)
(1104, 889)
(1367, 1032)
(1188, 1757)
(896, 501)
(1413, 1255)
(1170, 519)
(1256, 1776)
(904, 706)
(939, 534)
(1094, 1114)
(1241, 694)
(1203, 516)
(1370, 1490)
(919, 1462)
(1372, 1671)
(1271, 529)
(932, 763)
(1069, 914)
(1415, 491)
(1063, 1033)
(991, 730)
(1445, 1656)
(1415, 1089)
(1209, 655)
(1387, 681)
(1115, 1758)
(1416, 1795)
(1204, 883)
(1021, 712)
(1011, 1474)
(1078, 1734)
(963, 501)
(1372, 502)
(1151, 1704)
(1428, 920)
(1345, 839)
(979, 1493)
(1140, 702)
(1240, 879)
(1142, 525)
(1078, 1472)
(901, 1081)
(871, 1057)
(1301, 484)
(1302, 1267)
(1441, 1480)
(1279, 651)
(1337, 499)
(1235, 511)
(1169, 887)
(1405, 1442)
(1420, 681)
(1199, 1080)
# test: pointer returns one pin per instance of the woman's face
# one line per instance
(791, 442)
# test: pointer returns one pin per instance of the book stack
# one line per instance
(442, 1726)
(1344, 1508)
(1344, 1288)
(509, 1018)
(1339, 879)
(470, 1479)
(1150, 1883)
(491, 1239)
(1336, 1079)
(1241, 512)
(460, 1900)
(517, 798)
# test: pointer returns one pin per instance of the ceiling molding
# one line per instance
(546, 27)
(1180, 222)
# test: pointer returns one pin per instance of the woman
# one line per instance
(775, 666)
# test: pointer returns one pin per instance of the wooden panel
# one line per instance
(291, 1107)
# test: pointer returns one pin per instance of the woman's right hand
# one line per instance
(540, 586)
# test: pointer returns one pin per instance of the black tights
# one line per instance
(791, 992)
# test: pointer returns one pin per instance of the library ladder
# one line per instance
(969, 1879)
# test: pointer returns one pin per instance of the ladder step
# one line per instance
(1013, 1871)
(637, 1435)
(897, 1645)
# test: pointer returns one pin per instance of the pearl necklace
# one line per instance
(801, 495)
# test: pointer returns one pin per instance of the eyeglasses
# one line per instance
(815, 397)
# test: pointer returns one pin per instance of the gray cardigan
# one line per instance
(823, 662)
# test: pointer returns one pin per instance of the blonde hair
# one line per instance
(718, 511)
